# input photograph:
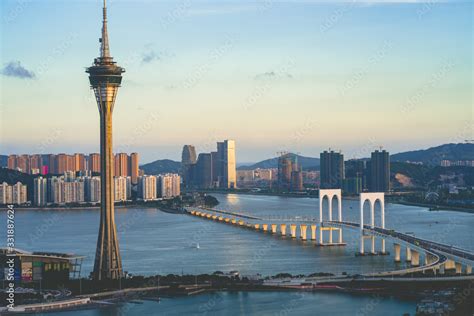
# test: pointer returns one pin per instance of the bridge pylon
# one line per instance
(372, 198)
(330, 194)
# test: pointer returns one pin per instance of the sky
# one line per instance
(298, 76)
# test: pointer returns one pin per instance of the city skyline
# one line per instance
(402, 70)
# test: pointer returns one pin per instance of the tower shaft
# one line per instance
(108, 264)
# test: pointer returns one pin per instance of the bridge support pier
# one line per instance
(468, 269)
(441, 269)
(372, 245)
(397, 252)
(458, 267)
(265, 227)
(321, 239)
(283, 229)
(408, 255)
(330, 235)
(257, 226)
(415, 258)
(293, 230)
(361, 244)
(383, 246)
(340, 235)
(313, 232)
(303, 231)
(450, 265)
(429, 259)
(274, 228)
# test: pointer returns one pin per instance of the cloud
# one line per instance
(15, 69)
(273, 74)
(150, 56)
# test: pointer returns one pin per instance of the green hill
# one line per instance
(307, 163)
(161, 166)
(433, 156)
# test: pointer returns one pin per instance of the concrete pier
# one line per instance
(415, 258)
(450, 265)
(313, 232)
(458, 267)
(361, 244)
(372, 245)
(283, 229)
(397, 248)
(265, 227)
(257, 226)
(429, 259)
(468, 269)
(441, 269)
(293, 230)
(274, 228)
(408, 255)
(303, 231)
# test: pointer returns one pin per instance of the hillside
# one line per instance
(12, 177)
(422, 176)
(433, 156)
(305, 162)
(3, 161)
(161, 166)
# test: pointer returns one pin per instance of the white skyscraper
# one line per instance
(121, 188)
(147, 188)
(227, 168)
(169, 185)
(40, 186)
(19, 194)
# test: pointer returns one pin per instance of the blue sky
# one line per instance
(300, 76)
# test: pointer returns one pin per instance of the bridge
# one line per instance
(438, 257)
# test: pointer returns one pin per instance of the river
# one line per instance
(154, 242)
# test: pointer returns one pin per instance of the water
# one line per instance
(261, 303)
(153, 242)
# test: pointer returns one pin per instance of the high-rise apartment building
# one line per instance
(79, 162)
(332, 170)
(19, 196)
(121, 165)
(94, 162)
(40, 191)
(6, 194)
(380, 171)
(12, 162)
(121, 185)
(134, 167)
(92, 189)
(147, 188)
(61, 163)
(169, 185)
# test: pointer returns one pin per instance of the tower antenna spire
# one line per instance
(104, 48)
